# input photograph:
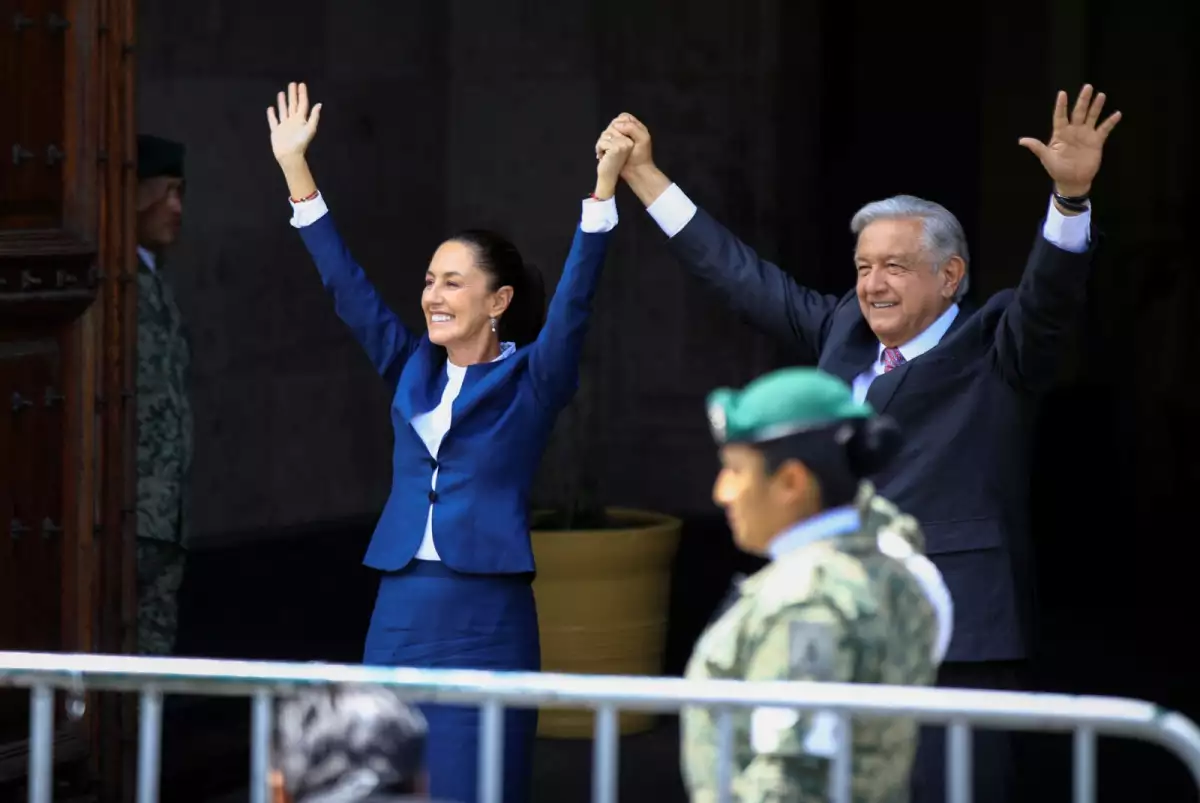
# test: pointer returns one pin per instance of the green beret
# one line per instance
(158, 157)
(782, 403)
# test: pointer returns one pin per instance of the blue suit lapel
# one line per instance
(479, 381)
(850, 358)
(422, 382)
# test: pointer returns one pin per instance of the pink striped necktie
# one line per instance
(892, 358)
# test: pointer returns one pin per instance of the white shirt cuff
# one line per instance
(306, 213)
(672, 210)
(598, 216)
(1068, 233)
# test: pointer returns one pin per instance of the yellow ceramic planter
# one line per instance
(602, 607)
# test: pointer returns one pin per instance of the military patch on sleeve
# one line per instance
(812, 650)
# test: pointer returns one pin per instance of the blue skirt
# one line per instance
(427, 615)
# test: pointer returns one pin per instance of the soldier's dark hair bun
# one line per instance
(872, 445)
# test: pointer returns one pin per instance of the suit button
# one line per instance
(433, 463)
(433, 496)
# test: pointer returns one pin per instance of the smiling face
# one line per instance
(458, 299)
(899, 291)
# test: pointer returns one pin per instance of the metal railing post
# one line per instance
(841, 769)
(491, 752)
(41, 743)
(149, 745)
(724, 755)
(605, 755)
(261, 726)
(1083, 782)
(958, 764)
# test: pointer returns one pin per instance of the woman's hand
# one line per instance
(291, 131)
(612, 150)
(293, 128)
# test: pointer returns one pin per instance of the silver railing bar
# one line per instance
(984, 709)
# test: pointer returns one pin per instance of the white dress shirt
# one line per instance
(149, 258)
(432, 426)
(673, 210)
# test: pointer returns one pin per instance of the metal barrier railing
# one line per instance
(959, 710)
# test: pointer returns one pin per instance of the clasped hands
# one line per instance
(1071, 156)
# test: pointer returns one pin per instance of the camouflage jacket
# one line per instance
(838, 610)
(164, 412)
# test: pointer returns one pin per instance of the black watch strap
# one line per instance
(1072, 203)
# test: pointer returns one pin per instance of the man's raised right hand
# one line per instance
(640, 173)
(641, 156)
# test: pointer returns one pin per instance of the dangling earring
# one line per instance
(493, 320)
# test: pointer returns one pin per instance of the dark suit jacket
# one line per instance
(501, 419)
(964, 407)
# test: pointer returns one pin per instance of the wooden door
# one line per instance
(67, 154)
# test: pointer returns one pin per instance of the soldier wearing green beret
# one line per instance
(164, 410)
(847, 596)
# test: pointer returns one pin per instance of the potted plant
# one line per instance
(603, 573)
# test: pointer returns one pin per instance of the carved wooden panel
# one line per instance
(31, 159)
(67, 178)
(51, 148)
(31, 526)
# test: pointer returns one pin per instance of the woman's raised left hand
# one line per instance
(612, 150)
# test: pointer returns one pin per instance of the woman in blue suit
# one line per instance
(475, 399)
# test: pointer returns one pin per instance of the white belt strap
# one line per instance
(895, 546)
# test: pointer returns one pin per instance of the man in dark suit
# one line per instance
(960, 380)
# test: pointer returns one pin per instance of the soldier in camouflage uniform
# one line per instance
(164, 413)
(847, 597)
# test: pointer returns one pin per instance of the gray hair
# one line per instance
(345, 744)
(944, 236)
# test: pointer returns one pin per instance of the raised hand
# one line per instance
(612, 151)
(1072, 156)
(293, 128)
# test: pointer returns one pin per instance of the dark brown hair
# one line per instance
(502, 262)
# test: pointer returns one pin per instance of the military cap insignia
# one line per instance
(717, 420)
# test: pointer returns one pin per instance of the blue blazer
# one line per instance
(965, 408)
(500, 422)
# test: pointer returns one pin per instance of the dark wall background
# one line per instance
(780, 118)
